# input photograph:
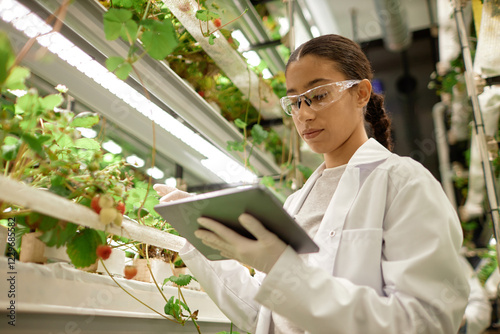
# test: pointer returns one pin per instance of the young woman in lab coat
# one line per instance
(388, 236)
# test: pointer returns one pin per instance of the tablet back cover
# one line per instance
(226, 206)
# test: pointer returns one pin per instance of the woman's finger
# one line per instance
(163, 189)
(212, 240)
(222, 231)
(254, 226)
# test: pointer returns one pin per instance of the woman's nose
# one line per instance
(305, 113)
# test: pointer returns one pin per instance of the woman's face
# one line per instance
(336, 131)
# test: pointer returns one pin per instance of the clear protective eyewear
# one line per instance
(316, 98)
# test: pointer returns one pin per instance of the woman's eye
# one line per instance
(321, 96)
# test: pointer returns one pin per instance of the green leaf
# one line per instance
(123, 3)
(10, 148)
(114, 21)
(17, 77)
(268, 181)
(49, 237)
(136, 197)
(82, 248)
(211, 39)
(181, 280)
(169, 306)
(112, 63)
(49, 102)
(65, 141)
(159, 39)
(57, 180)
(48, 223)
(306, 171)
(7, 56)
(206, 15)
(85, 119)
(238, 146)
(60, 190)
(67, 233)
(129, 31)
(33, 143)
(58, 235)
(87, 143)
(43, 138)
(259, 134)
(27, 103)
(123, 71)
(239, 123)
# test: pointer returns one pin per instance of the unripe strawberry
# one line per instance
(118, 219)
(106, 201)
(107, 215)
(103, 251)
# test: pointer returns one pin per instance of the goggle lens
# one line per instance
(317, 98)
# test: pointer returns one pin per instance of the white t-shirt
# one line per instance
(309, 218)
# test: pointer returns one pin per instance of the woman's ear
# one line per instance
(364, 92)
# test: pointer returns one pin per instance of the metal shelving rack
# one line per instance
(84, 27)
(478, 127)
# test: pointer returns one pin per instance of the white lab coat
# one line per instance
(388, 260)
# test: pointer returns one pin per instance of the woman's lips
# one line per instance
(310, 134)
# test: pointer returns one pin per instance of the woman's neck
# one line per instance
(344, 152)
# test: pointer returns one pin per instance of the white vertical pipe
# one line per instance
(443, 152)
(478, 121)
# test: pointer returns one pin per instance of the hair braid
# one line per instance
(380, 122)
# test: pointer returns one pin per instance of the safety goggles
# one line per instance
(316, 98)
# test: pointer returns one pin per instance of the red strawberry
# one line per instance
(130, 272)
(94, 204)
(201, 93)
(103, 251)
(121, 207)
(217, 22)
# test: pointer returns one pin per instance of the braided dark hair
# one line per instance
(350, 60)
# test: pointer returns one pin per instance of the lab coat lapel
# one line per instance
(329, 233)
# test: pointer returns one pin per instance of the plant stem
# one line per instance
(153, 153)
(131, 295)
(191, 315)
(7, 165)
(245, 157)
(11, 214)
(153, 276)
(229, 22)
(57, 26)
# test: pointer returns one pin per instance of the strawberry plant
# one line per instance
(189, 61)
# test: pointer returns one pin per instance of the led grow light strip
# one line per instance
(31, 25)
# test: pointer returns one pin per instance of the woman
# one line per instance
(388, 237)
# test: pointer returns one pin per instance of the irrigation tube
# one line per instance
(478, 121)
(443, 152)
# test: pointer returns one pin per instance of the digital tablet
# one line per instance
(226, 206)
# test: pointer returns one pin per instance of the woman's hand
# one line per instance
(260, 254)
(169, 193)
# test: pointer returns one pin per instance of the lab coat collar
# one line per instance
(370, 152)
